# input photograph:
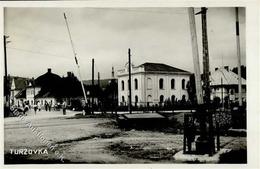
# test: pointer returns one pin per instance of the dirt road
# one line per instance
(93, 140)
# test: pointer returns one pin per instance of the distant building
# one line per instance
(224, 83)
(17, 90)
(46, 88)
(152, 83)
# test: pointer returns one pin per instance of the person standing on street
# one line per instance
(64, 106)
(35, 107)
(46, 105)
(50, 105)
(39, 105)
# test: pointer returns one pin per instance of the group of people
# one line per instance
(47, 105)
(37, 106)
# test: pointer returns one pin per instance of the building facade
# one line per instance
(152, 83)
(224, 85)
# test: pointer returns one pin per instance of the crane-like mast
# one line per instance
(75, 57)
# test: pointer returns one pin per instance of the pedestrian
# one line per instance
(35, 107)
(50, 105)
(46, 105)
(39, 105)
(64, 106)
(26, 108)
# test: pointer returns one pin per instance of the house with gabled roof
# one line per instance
(18, 89)
(152, 83)
(224, 83)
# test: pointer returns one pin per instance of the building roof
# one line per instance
(21, 94)
(48, 80)
(228, 78)
(19, 82)
(160, 67)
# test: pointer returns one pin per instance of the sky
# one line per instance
(39, 39)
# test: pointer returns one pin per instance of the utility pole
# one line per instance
(99, 88)
(205, 55)
(6, 80)
(98, 79)
(238, 59)
(113, 73)
(195, 54)
(205, 142)
(130, 90)
(92, 91)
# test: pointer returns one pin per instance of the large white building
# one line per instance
(152, 83)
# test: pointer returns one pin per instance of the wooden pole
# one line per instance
(238, 60)
(6, 80)
(92, 91)
(195, 54)
(75, 57)
(130, 90)
(99, 88)
(205, 55)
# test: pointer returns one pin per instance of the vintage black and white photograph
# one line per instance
(125, 85)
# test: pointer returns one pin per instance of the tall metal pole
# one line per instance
(195, 54)
(238, 60)
(75, 57)
(92, 92)
(130, 90)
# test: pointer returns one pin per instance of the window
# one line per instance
(136, 84)
(123, 85)
(232, 92)
(161, 83)
(149, 83)
(183, 83)
(173, 84)
(161, 99)
(173, 99)
(136, 99)
(123, 99)
(149, 98)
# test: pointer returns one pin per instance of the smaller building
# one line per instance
(224, 84)
(18, 90)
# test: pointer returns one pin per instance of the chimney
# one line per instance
(49, 70)
(216, 68)
(68, 74)
(226, 67)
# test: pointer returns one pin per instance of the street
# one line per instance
(92, 140)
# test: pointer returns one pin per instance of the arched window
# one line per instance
(183, 83)
(149, 83)
(149, 98)
(128, 84)
(136, 84)
(161, 99)
(173, 99)
(173, 84)
(123, 85)
(123, 99)
(136, 99)
(161, 83)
